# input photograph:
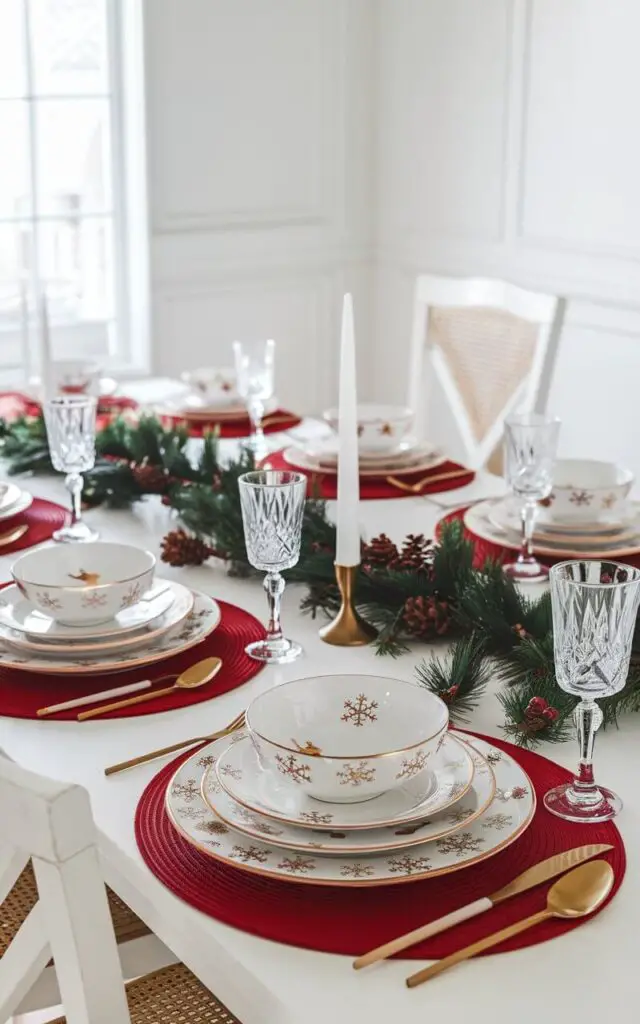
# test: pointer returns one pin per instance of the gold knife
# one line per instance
(11, 536)
(539, 873)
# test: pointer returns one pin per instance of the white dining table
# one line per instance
(585, 976)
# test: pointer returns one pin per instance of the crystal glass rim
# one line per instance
(295, 478)
(531, 419)
(71, 401)
(554, 573)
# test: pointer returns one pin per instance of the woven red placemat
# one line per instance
(42, 517)
(351, 921)
(325, 485)
(484, 549)
(231, 428)
(22, 693)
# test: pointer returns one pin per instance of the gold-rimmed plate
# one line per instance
(300, 459)
(331, 840)
(199, 623)
(505, 819)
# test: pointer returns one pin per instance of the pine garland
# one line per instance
(418, 592)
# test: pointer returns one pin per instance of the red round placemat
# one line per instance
(42, 517)
(484, 549)
(351, 921)
(22, 693)
(232, 428)
(325, 485)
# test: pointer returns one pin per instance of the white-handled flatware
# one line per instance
(94, 698)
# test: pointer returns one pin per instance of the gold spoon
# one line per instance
(576, 894)
(192, 677)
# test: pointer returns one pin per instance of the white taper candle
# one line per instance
(348, 539)
(46, 364)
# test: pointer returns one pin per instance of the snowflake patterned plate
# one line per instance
(201, 620)
(320, 833)
(239, 774)
(506, 817)
(477, 520)
(174, 603)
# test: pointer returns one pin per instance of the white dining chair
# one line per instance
(49, 825)
(480, 349)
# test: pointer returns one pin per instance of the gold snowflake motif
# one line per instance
(192, 813)
(609, 500)
(213, 828)
(459, 814)
(359, 711)
(310, 749)
(494, 756)
(497, 821)
(317, 846)
(456, 789)
(580, 498)
(441, 742)
(411, 766)
(47, 601)
(518, 792)
(206, 761)
(248, 854)
(459, 843)
(290, 766)
(408, 865)
(132, 595)
(211, 843)
(356, 774)
(231, 772)
(316, 817)
(265, 827)
(188, 790)
(297, 865)
(94, 600)
(356, 870)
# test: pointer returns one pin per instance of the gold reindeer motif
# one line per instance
(309, 748)
(90, 579)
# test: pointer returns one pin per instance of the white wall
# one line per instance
(259, 123)
(508, 145)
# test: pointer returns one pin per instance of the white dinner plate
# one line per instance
(21, 505)
(9, 495)
(193, 408)
(300, 459)
(506, 817)
(241, 776)
(180, 605)
(365, 841)
(17, 613)
(505, 516)
(202, 620)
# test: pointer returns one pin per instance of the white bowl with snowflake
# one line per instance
(587, 491)
(85, 584)
(347, 738)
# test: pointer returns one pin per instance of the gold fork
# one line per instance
(11, 536)
(236, 723)
(452, 474)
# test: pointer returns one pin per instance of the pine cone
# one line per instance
(179, 548)
(380, 552)
(426, 617)
(416, 553)
(150, 478)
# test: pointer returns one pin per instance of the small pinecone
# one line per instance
(426, 617)
(416, 553)
(380, 552)
(179, 548)
(150, 478)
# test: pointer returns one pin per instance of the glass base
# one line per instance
(77, 533)
(526, 572)
(565, 802)
(275, 652)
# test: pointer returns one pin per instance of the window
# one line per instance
(67, 182)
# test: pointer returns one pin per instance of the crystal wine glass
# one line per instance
(71, 432)
(594, 606)
(272, 505)
(530, 442)
(255, 382)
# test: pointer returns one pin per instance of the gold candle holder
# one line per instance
(348, 629)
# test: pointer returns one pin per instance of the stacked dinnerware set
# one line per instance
(386, 446)
(13, 501)
(211, 394)
(587, 515)
(349, 780)
(96, 608)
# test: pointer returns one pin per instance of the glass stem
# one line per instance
(256, 414)
(74, 484)
(588, 719)
(528, 518)
(274, 586)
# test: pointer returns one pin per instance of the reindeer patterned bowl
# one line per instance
(347, 738)
(85, 584)
(382, 429)
(587, 491)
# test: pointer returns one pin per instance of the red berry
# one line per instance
(537, 706)
(551, 714)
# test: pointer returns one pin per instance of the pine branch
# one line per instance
(461, 680)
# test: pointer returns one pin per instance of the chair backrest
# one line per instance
(480, 349)
(51, 823)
